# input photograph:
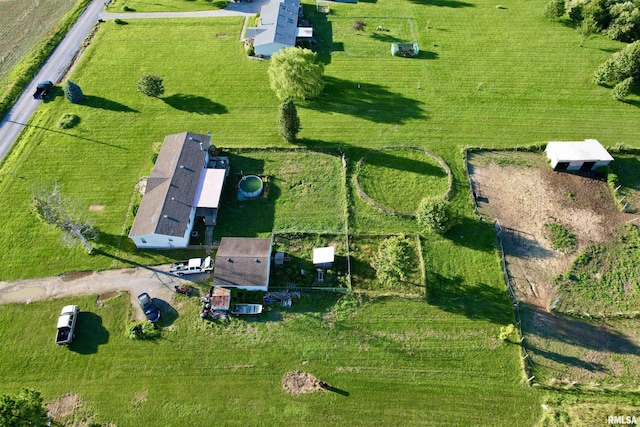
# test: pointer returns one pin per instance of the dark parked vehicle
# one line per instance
(43, 90)
(150, 310)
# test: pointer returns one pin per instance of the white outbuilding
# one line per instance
(585, 156)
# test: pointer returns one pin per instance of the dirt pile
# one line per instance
(300, 383)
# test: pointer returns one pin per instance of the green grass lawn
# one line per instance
(400, 178)
(304, 192)
(486, 77)
(391, 361)
(165, 5)
(369, 101)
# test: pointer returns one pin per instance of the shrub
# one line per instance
(251, 51)
(288, 122)
(575, 13)
(68, 121)
(126, 8)
(433, 216)
(143, 331)
(150, 85)
(358, 25)
(393, 256)
(561, 238)
(622, 89)
(72, 92)
(554, 9)
(506, 331)
(119, 21)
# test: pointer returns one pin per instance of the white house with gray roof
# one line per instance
(179, 184)
(278, 27)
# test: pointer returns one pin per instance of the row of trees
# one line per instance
(616, 19)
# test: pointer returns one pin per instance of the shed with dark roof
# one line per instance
(243, 263)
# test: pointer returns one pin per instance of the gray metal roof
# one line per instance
(278, 23)
(172, 185)
(242, 261)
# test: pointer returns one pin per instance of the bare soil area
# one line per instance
(523, 194)
(300, 383)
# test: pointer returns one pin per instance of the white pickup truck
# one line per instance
(67, 324)
(192, 266)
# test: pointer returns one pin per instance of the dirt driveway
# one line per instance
(157, 281)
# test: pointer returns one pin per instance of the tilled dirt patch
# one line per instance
(301, 383)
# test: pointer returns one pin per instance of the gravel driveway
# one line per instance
(157, 281)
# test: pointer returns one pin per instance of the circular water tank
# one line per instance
(250, 186)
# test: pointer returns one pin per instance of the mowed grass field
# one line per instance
(165, 5)
(303, 191)
(535, 86)
(25, 24)
(486, 77)
(391, 362)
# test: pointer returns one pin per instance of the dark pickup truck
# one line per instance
(43, 90)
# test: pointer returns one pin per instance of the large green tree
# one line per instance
(289, 122)
(295, 73)
(554, 9)
(622, 69)
(25, 409)
(150, 85)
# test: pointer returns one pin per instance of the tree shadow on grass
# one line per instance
(367, 101)
(475, 301)
(194, 104)
(444, 3)
(472, 234)
(106, 104)
(386, 38)
(566, 360)
(71, 134)
(573, 331)
(387, 158)
(89, 334)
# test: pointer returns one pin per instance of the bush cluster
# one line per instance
(68, 121)
(618, 20)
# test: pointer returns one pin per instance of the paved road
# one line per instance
(54, 69)
(56, 66)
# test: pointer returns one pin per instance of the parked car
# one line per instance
(67, 324)
(242, 309)
(148, 307)
(43, 90)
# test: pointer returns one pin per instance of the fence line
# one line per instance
(472, 185)
(503, 260)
